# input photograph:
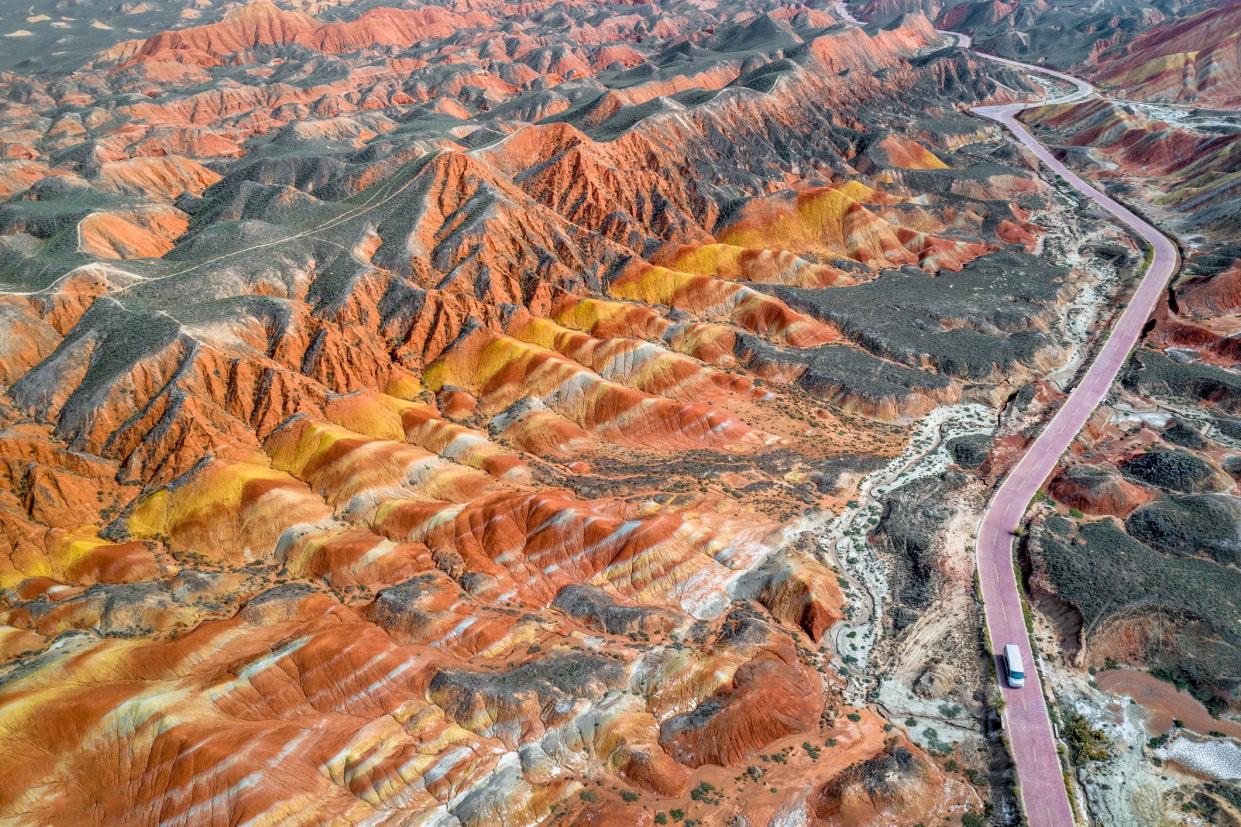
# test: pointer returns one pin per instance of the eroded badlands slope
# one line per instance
(1196, 59)
(1060, 33)
(413, 414)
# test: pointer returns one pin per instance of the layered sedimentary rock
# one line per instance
(1194, 59)
(1184, 164)
(1036, 31)
(409, 414)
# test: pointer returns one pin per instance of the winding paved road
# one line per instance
(1032, 742)
(1029, 729)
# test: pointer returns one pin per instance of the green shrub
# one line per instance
(1086, 743)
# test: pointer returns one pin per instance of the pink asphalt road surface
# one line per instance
(1033, 745)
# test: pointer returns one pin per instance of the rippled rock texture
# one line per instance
(410, 414)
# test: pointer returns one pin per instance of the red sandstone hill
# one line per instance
(262, 23)
(256, 24)
(421, 414)
(1194, 60)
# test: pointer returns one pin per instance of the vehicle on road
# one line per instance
(1014, 669)
(1043, 794)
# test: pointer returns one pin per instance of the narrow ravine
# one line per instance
(844, 540)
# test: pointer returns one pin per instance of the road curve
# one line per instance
(1026, 721)
(1031, 740)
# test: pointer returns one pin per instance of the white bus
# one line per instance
(1014, 670)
